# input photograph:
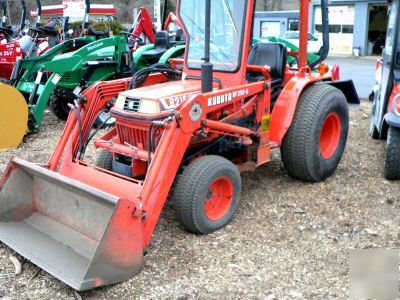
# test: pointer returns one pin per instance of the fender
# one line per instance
(173, 52)
(285, 107)
(286, 104)
(348, 89)
(137, 55)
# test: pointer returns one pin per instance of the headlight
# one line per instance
(120, 103)
(149, 107)
(137, 105)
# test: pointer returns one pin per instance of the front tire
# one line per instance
(314, 144)
(392, 162)
(207, 194)
(58, 103)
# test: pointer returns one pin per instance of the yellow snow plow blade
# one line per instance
(13, 117)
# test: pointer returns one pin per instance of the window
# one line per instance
(293, 25)
(390, 31)
(227, 26)
(348, 29)
(335, 28)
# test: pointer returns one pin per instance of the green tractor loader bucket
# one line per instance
(79, 234)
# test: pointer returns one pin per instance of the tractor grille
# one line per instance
(133, 136)
(132, 104)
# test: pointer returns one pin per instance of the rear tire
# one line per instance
(207, 194)
(105, 160)
(58, 103)
(392, 162)
(315, 142)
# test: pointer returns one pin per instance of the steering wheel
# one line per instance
(130, 34)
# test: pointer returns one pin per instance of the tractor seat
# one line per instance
(273, 55)
(50, 28)
(179, 38)
(161, 46)
(98, 33)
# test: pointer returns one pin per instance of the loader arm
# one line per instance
(26, 69)
(101, 59)
(109, 48)
(143, 25)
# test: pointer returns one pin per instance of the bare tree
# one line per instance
(125, 7)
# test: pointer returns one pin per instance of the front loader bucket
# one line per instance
(79, 234)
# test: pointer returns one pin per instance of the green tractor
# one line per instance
(72, 72)
(169, 43)
(311, 57)
(58, 76)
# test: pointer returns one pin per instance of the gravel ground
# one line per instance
(288, 240)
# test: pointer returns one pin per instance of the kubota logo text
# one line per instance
(225, 98)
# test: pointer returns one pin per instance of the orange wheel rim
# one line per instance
(218, 198)
(330, 136)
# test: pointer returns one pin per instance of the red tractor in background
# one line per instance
(385, 121)
(143, 27)
(29, 41)
(10, 48)
(196, 124)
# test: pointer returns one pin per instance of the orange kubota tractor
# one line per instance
(196, 125)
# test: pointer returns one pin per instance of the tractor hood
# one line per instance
(101, 53)
(157, 98)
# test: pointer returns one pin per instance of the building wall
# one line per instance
(361, 23)
(281, 17)
(273, 5)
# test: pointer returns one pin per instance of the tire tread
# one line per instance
(392, 162)
(296, 147)
(189, 188)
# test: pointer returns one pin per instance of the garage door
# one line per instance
(341, 27)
